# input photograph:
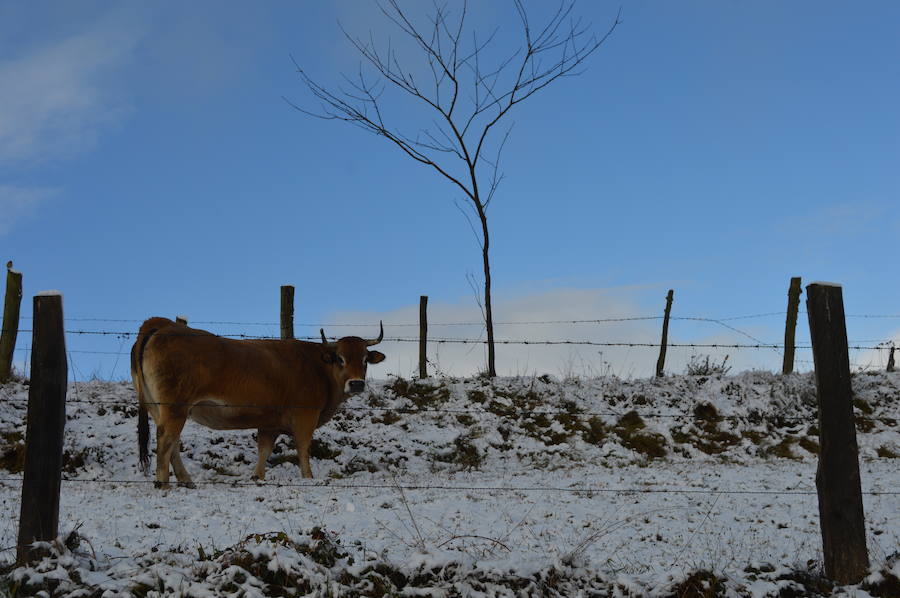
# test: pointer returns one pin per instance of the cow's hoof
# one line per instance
(158, 484)
(187, 484)
(259, 481)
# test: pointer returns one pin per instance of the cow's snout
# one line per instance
(355, 386)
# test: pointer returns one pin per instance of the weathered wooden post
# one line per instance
(661, 362)
(790, 325)
(423, 335)
(837, 479)
(890, 365)
(39, 515)
(287, 312)
(10, 331)
(181, 320)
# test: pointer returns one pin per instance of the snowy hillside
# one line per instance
(446, 487)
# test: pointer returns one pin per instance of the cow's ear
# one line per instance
(329, 357)
(375, 357)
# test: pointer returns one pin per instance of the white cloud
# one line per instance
(533, 317)
(547, 316)
(58, 97)
(17, 203)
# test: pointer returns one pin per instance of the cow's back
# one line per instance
(188, 364)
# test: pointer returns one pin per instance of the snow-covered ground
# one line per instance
(602, 486)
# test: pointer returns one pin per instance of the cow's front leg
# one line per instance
(265, 442)
(304, 425)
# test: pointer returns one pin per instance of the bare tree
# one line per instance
(466, 89)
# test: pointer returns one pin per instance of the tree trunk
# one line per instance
(488, 312)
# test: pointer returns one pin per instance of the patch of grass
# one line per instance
(807, 583)
(323, 548)
(864, 424)
(528, 406)
(699, 584)
(498, 408)
(476, 396)
(698, 366)
(649, 444)
(863, 406)
(387, 418)
(596, 431)
(422, 395)
(357, 464)
(522, 400)
(275, 460)
(782, 450)
(887, 584)
(465, 419)
(570, 418)
(704, 434)
(809, 444)
(375, 400)
(629, 424)
(320, 449)
(886, 452)
(464, 454)
(126, 409)
(707, 416)
(12, 451)
(539, 427)
(219, 469)
(754, 436)
(72, 461)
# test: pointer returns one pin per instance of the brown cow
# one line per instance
(276, 386)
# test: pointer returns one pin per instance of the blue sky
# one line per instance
(149, 165)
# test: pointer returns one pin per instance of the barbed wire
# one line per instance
(503, 411)
(444, 340)
(477, 323)
(328, 485)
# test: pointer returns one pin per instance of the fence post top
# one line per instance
(824, 284)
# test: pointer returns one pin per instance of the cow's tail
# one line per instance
(140, 385)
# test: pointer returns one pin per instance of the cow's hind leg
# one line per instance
(265, 442)
(184, 478)
(168, 436)
(304, 426)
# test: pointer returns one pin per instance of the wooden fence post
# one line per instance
(287, 312)
(39, 514)
(790, 325)
(661, 362)
(890, 365)
(423, 335)
(837, 478)
(10, 329)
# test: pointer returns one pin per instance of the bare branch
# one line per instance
(496, 178)
(469, 98)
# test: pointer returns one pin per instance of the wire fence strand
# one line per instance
(454, 488)
(502, 411)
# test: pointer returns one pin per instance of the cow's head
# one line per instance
(349, 357)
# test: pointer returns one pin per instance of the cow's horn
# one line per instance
(380, 336)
